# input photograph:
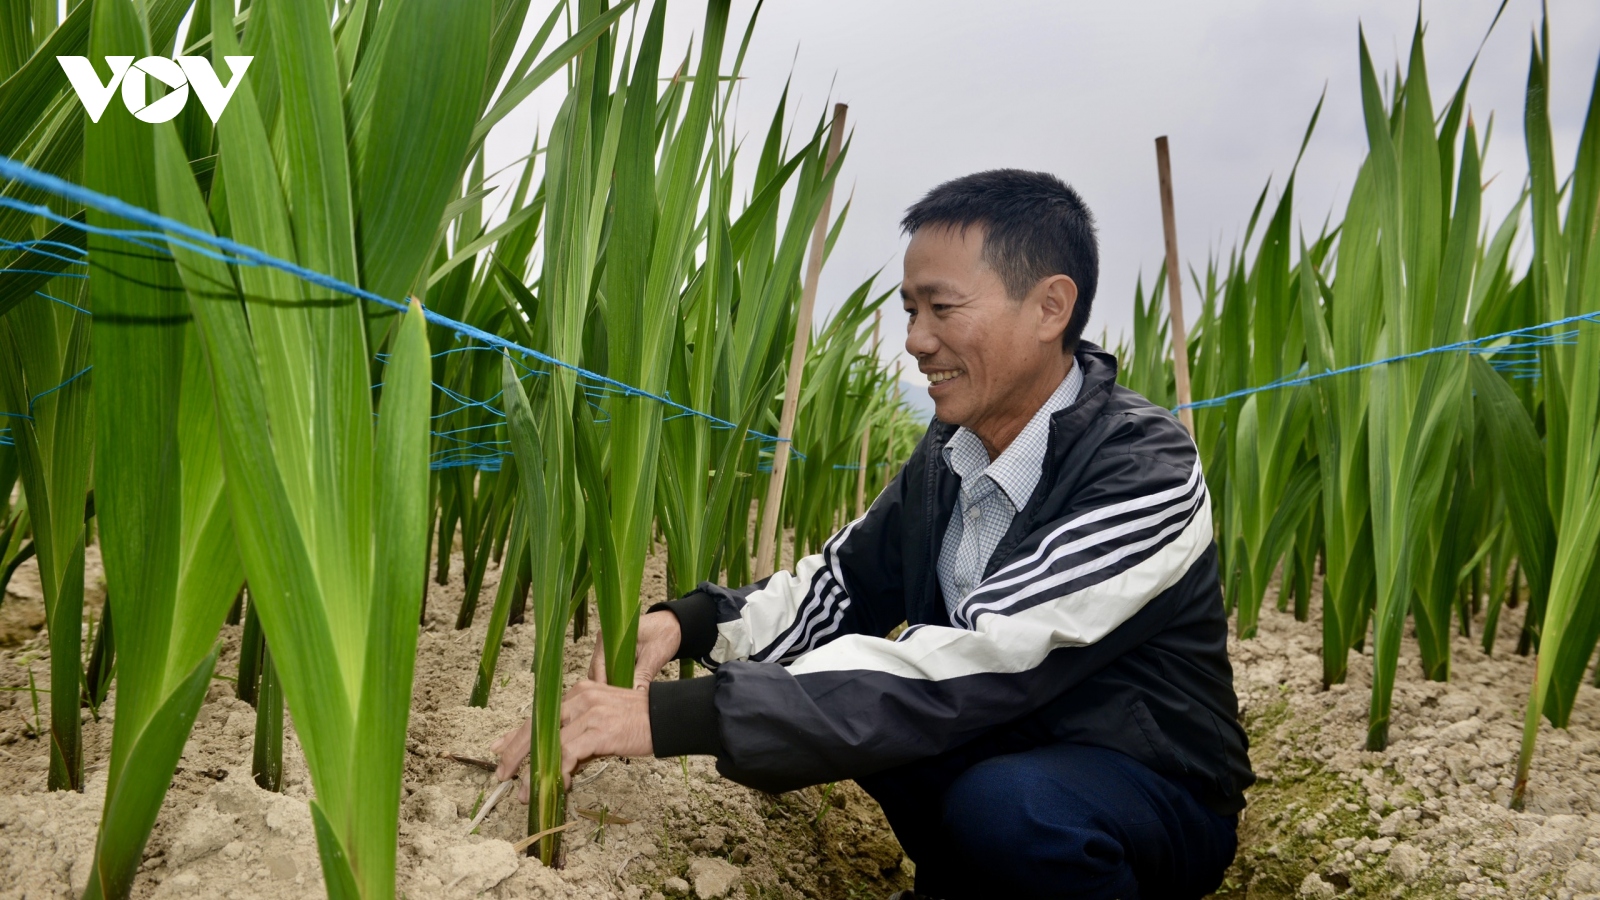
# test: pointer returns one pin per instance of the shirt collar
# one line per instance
(1018, 467)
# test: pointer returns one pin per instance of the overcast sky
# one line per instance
(941, 88)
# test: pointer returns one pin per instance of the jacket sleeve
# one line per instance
(1081, 590)
(781, 618)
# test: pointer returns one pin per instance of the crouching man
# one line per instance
(1058, 717)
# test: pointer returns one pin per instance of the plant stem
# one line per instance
(267, 762)
(66, 668)
(250, 649)
(97, 676)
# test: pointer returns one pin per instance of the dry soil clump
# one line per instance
(1425, 818)
(670, 827)
(1428, 816)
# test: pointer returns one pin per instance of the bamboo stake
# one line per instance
(1180, 336)
(894, 428)
(866, 433)
(766, 546)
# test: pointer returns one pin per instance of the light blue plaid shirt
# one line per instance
(992, 492)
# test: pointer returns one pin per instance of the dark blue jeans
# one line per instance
(1064, 820)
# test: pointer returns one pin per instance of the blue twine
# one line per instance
(33, 247)
(64, 303)
(242, 254)
(45, 393)
(1472, 345)
(235, 253)
(481, 463)
(6, 201)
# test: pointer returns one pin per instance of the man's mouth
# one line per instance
(941, 377)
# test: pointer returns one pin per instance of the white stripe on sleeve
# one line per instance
(1021, 641)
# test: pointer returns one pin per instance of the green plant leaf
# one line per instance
(409, 173)
(337, 874)
(134, 796)
(400, 550)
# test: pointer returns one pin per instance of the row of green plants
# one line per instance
(251, 447)
(1438, 487)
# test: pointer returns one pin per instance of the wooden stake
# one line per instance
(866, 433)
(766, 545)
(894, 426)
(1180, 336)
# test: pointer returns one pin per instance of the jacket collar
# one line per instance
(1016, 470)
(942, 487)
(1099, 380)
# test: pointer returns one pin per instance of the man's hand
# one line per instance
(659, 637)
(600, 720)
(658, 641)
(512, 748)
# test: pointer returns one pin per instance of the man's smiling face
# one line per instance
(983, 352)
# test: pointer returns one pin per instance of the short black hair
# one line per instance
(1035, 226)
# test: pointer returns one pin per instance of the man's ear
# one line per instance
(1058, 296)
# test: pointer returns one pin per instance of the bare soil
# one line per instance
(1428, 816)
(672, 826)
(1425, 818)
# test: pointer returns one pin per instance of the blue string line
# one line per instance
(45, 393)
(64, 303)
(243, 254)
(145, 239)
(1472, 345)
(6, 201)
(31, 247)
(482, 463)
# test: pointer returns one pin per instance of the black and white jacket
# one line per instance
(1099, 621)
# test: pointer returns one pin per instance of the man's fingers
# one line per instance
(512, 748)
(597, 660)
(573, 705)
(579, 765)
(571, 753)
(644, 674)
(580, 698)
(581, 744)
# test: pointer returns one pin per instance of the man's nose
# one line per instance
(920, 341)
